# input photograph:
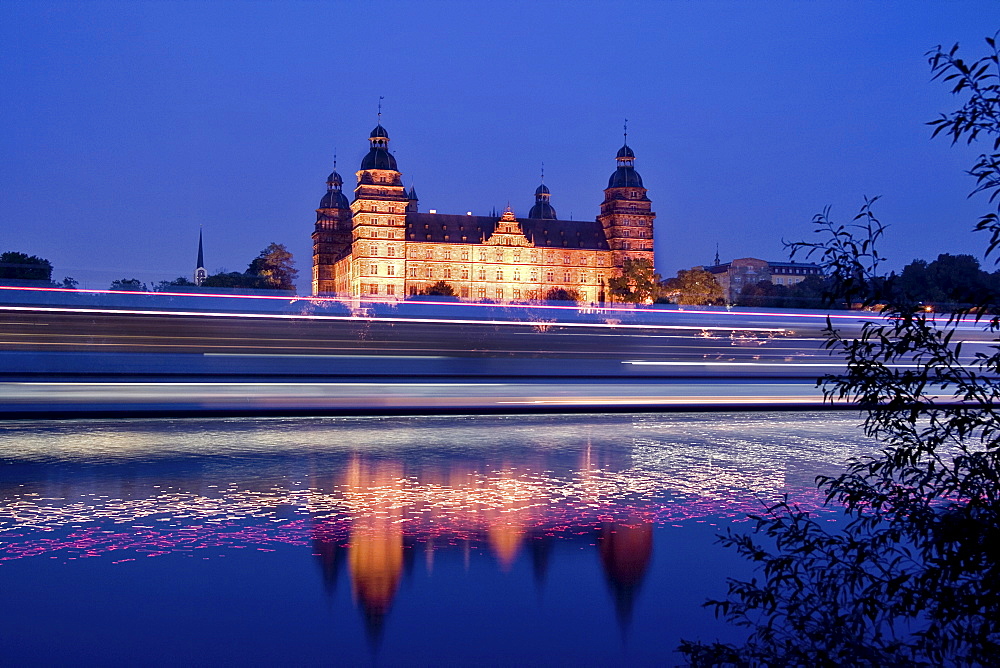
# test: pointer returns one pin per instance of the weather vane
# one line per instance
(380, 98)
(543, 172)
(626, 131)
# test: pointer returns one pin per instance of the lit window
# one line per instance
(390, 289)
(499, 293)
(550, 276)
(534, 275)
(427, 272)
(517, 294)
(499, 274)
(482, 293)
(517, 274)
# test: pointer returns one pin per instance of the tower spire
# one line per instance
(626, 131)
(200, 274)
(380, 98)
(717, 263)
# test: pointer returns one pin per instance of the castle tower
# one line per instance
(379, 223)
(200, 274)
(414, 201)
(331, 236)
(542, 209)
(626, 213)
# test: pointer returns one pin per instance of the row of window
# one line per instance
(481, 274)
(374, 250)
(372, 289)
(390, 234)
(797, 271)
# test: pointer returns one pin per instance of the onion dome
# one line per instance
(378, 156)
(334, 197)
(542, 209)
(625, 176)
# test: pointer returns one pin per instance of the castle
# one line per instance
(381, 247)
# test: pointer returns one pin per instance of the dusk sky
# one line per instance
(126, 126)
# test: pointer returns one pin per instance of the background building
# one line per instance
(380, 246)
(733, 276)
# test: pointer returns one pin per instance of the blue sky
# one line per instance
(125, 126)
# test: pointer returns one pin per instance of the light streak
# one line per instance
(442, 321)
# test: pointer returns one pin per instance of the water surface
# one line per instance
(546, 540)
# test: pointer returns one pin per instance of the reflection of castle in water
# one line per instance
(504, 511)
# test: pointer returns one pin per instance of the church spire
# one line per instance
(200, 274)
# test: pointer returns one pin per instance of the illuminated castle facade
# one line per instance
(379, 246)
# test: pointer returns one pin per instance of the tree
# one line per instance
(912, 577)
(562, 295)
(277, 266)
(128, 285)
(171, 286)
(950, 281)
(693, 287)
(24, 267)
(635, 283)
(439, 289)
(69, 283)
(235, 279)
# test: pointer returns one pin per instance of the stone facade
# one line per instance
(732, 276)
(379, 246)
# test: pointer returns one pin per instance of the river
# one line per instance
(497, 540)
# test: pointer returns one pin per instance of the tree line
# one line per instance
(272, 269)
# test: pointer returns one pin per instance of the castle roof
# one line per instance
(379, 158)
(334, 199)
(449, 228)
(378, 155)
(542, 210)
